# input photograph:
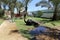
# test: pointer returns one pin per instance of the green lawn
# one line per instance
(1, 20)
(23, 28)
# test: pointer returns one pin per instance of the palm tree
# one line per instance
(25, 3)
(55, 4)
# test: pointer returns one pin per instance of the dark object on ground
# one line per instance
(53, 24)
(14, 31)
(34, 38)
(38, 30)
(30, 22)
(45, 33)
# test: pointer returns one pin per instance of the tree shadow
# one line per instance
(50, 34)
(25, 33)
(45, 21)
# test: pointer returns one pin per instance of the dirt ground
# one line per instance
(8, 32)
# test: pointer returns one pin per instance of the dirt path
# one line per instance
(6, 32)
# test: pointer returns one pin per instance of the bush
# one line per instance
(1, 13)
(4, 17)
(38, 14)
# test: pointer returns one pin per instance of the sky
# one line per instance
(32, 6)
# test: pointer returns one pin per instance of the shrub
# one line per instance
(37, 14)
(1, 13)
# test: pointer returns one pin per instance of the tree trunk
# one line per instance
(55, 14)
(12, 14)
(11, 9)
(0, 6)
(25, 14)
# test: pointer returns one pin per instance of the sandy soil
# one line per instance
(6, 33)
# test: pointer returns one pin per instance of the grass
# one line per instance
(1, 20)
(24, 28)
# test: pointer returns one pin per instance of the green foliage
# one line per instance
(24, 28)
(11, 3)
(25, 2)
(55, 2)
(38, 14)
(19, 5)
(1, 13)
(4, 17)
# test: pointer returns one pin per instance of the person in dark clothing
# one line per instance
(38, 30)
(30, 22)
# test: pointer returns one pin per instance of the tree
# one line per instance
(55, 4)
(0, 5)
(10, 3)
(25, 3)
(19, 6)
(43, 3)
(37, 14)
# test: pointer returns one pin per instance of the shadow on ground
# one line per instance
(47, 21)
(51, 34)
(25, 33)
